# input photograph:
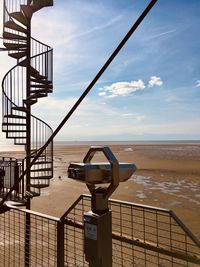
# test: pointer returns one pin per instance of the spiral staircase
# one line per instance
(28, 81)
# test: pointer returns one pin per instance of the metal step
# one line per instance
(20, 109)
(27, 10)
(18, 143)
(42, 170)
(35, 96)
(29, 102)
(41, 81)
(46, 91)
(12, 36)
(19, 16)
(23, 63)
(41, 177)
(14, 137)
(19, 138)
(13, 124)
(3, 49)
(16, 131)
(45, 86)
(35, 73)
(31, 194)
(38, 4)
(18, 55)
(34, 152)
(12, 25)
(42, 162)
(14, 46)
(39, 186)
(14, 116)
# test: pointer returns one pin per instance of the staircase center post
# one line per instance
(28, 147)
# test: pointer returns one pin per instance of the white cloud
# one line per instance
(127, 88)
(102, 93)
(171, 98)
(123, 88)
(136, 117)
(197, 83)
(127, 114)
(90, 119)
(95, 28)
(163, 34)
(66, 27)
(110, 96)
(155, 81)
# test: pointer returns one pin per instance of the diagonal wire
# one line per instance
(88, 89)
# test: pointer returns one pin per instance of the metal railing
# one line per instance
(43, 236)
(14, 6)
(42, 58)
(142, 236)
(12, 169)
(22, 86)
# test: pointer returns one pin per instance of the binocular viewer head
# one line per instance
(100, 172)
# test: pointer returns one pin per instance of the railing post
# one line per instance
(60, 244)
(27, 239)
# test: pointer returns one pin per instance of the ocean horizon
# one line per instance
(12, 147)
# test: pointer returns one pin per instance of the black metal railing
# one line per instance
(12, 169)
(14, 6)
(17, 96)
(141, 236)
(43, 236)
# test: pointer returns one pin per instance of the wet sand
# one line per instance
(167, 176)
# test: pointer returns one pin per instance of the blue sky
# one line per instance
(152, 89)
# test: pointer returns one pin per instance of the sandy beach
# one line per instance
(167, 176)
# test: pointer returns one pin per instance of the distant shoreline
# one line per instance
(162, 142)
(12, 147)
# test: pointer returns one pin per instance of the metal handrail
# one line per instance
(12, 100)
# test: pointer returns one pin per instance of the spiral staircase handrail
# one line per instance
(13, 102)
(32, 38)
(22, 86)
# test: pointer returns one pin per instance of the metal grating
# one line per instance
(142, 236)
(11, 169)
(12, 238)
(13, 245)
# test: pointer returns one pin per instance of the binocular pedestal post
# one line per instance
(98, 231)
(102, 179)
(98, 222)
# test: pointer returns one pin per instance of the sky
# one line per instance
(151, 91)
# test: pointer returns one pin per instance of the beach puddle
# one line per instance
(184, 189)
(140, 194)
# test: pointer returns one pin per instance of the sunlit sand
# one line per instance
(167, 177)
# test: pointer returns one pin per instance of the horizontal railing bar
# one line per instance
(145, 245)
(132, 204)
(44, 216)
(170, 212)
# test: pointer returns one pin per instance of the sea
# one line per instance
(12, 147)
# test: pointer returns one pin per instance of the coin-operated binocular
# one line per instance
(101, 179)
